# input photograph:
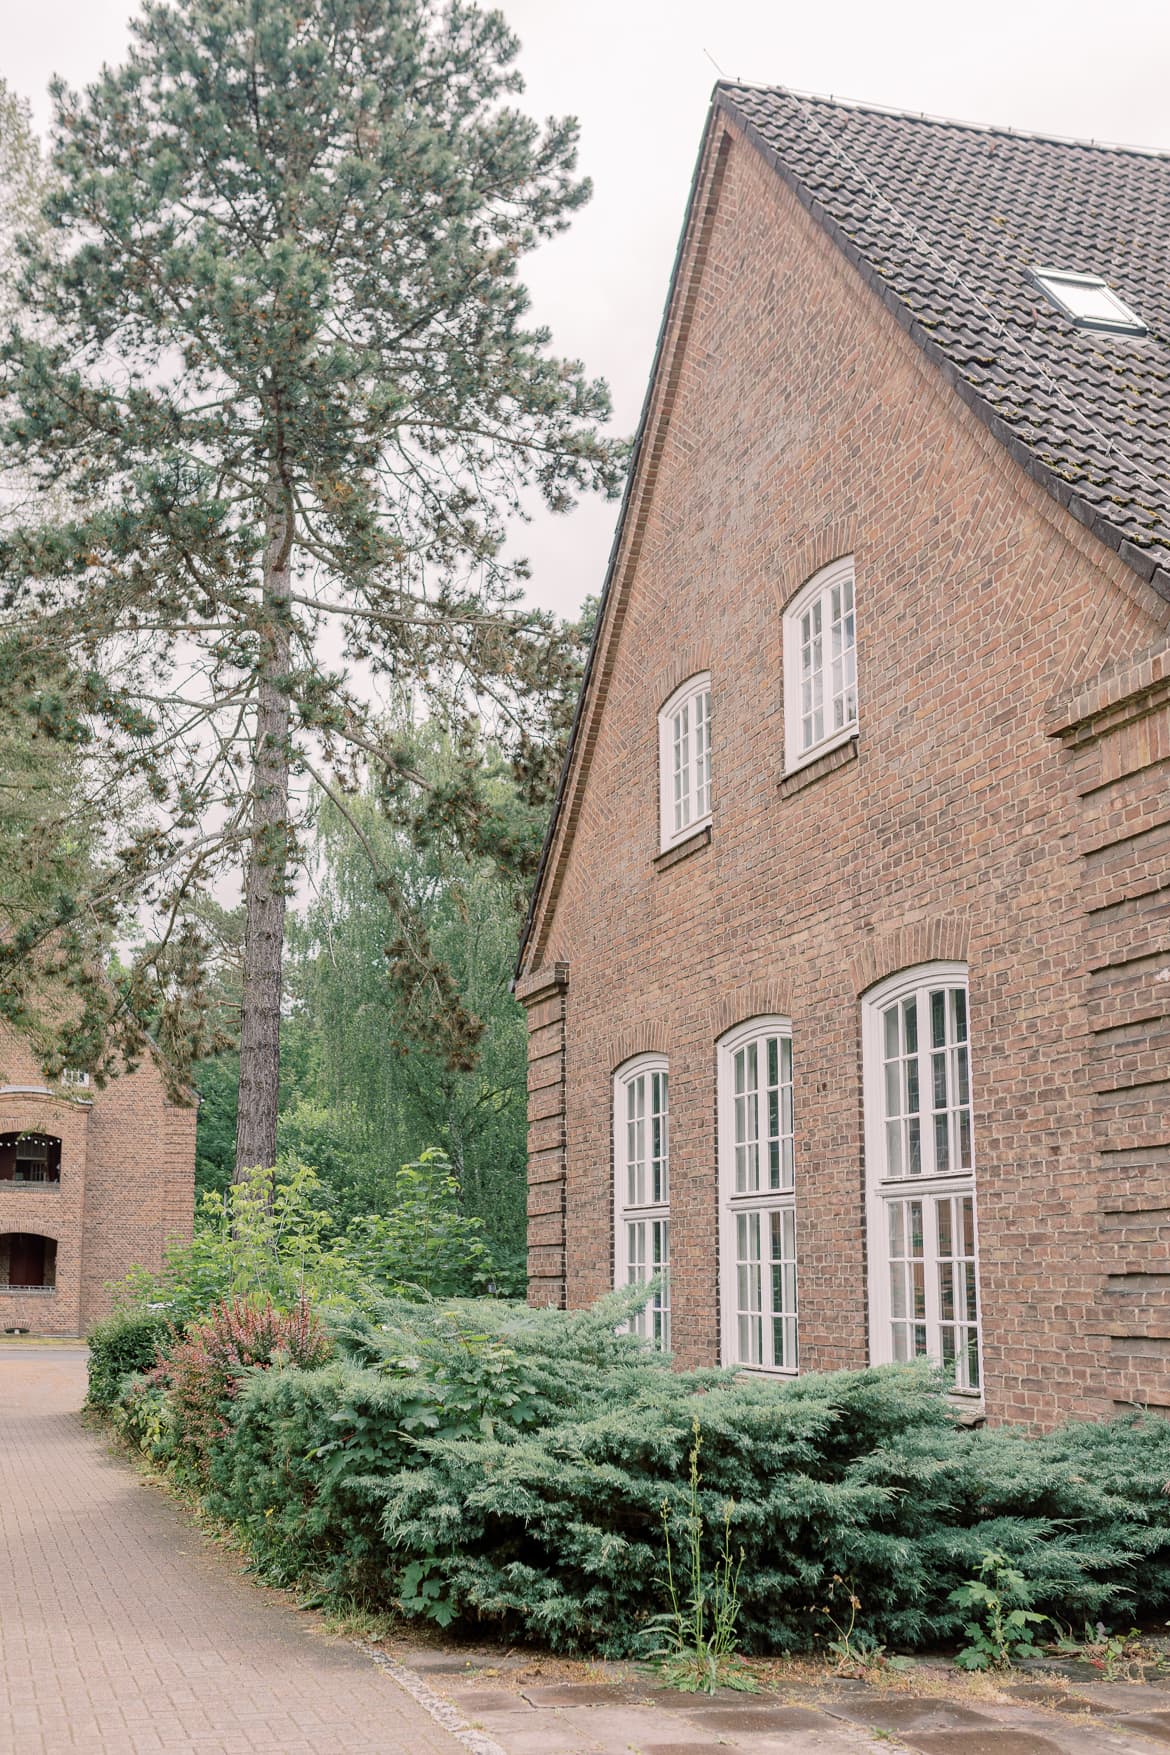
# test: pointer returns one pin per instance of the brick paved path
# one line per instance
(121, 1633)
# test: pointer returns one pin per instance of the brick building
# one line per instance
(848, 966)
(91, 1183)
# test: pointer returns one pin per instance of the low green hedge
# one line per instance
(125, 1343)
(508, 1469)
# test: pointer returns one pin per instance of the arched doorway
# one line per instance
(28, 1262)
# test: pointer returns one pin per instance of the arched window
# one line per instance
(757, 1196)
(820, 665)
(920, 1170)
(641, 1141)
(684, 760)
(28, 1262)
(30, 1157)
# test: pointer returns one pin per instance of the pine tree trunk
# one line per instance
(265, 897)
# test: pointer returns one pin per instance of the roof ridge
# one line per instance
(1002, 130)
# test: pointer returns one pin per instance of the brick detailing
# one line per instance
(1130, 693)
(647, 1036)
(751, 999)
(683, 849)
(544, 996)
(941, 939)
(814, 551)
(816, 770)
(691, 658)
(1117, 738)
(127, 1185)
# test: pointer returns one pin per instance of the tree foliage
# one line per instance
(273, 347)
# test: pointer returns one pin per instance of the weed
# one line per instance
(1004, 1630)
(1121, 1657)
(698, 1651)
(856, 1653)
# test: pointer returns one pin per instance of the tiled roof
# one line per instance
(944, 220)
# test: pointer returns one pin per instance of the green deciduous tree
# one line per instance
(273, 347)
(361, 1048)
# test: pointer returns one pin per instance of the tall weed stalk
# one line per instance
(698, 1649)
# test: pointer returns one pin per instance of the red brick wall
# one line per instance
(798, 422)
(127, 1184)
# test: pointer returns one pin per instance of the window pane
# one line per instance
(777, 1059)
(682, 768)
(702, 762)
(647, 1257)
(938, 1028)
(843, 663)
(747, 1120)
(783, 1289)
(900, 1096)
(958, 1303)
(812, 724)
(890, 1025)
(659, 1178)
(659, 1308)
(907, 1280)
(636, 1143)
(749, 1285)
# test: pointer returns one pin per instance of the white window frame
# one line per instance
(887, 1187)
(644, 1211)
(816, 596)
(76, 1076)
(760, 1202)
(682, 813)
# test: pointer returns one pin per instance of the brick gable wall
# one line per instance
(802, 423)
(127, 1186)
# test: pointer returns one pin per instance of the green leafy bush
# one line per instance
(125, 1343)
(504, 1468)
(310, 1457)
(1004, 1627)
(268, 1236)
(145, 1416)
(424, 1243)
(273, 1235)
(205, 1370)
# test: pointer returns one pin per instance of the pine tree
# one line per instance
(273, 346)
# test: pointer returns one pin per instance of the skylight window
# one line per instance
(1088, 300)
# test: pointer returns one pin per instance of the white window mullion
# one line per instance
(684, 760)
(641, 1134)
(820, 665)
(916, 1054)
(758, 1278)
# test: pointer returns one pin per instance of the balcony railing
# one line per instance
(28, 1291)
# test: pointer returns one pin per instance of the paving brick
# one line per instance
(127, 1636)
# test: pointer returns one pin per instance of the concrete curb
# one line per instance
(443, 1713)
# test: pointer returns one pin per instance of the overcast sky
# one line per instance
(638, 74)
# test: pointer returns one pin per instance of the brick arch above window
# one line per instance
(689, 660)
(942, 938)
(754, 999)
(832, 542)
(647, 1036)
